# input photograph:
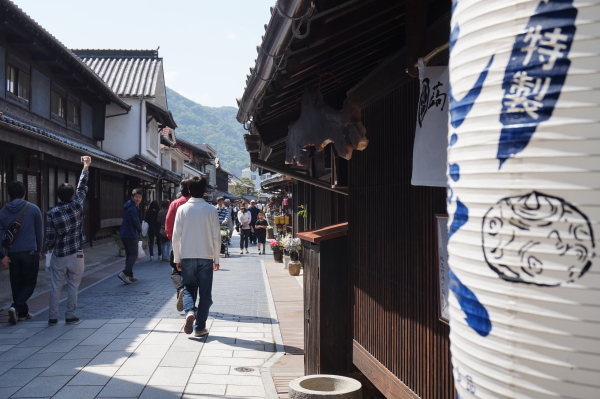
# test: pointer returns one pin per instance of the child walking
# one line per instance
(260, 231)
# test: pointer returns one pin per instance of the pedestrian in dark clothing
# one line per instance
(260, 230)
(25, 252)
(131, 227)
(153, 229)
(253, 211)
(165, 244)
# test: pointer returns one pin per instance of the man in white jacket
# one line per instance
(196, 251)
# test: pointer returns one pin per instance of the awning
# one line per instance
(47, 141)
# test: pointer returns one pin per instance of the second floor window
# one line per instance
(17, 83)
(57, 105)
(73, 113)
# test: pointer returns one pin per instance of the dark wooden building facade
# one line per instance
(52, 111)
(372, 310)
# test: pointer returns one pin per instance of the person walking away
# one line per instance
(165, 244)
(169, 224)
(260, 230)
(131, 227)
(65, 238)
(253, 210)
(153, 229)
(23, 248)
(244, 219)
(230, 217)
(196, 250)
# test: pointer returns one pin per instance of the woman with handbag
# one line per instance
(244, 218)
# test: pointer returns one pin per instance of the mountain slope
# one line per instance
(214, 126)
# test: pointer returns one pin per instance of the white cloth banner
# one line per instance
(431, 134)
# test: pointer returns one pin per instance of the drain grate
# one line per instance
(244, 369)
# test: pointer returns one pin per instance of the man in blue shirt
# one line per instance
(65, 237)
(25, 252)
(131, 227)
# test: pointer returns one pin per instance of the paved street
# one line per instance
(130, 342)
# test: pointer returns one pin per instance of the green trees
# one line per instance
(247, 187)
(215, 126)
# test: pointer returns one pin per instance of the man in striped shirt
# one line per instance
(223, 211)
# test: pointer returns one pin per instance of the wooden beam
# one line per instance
(297, 176)
(43, 57)
(383, 379)
(391, 74)
(13, 39)
(416, 33)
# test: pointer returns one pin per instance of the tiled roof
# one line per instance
(68, 142)
(198, 147)
(63, 52)
(169, 175)
(129, 73)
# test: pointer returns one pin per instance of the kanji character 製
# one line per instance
(526, 93)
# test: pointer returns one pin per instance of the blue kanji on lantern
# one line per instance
(535, 74)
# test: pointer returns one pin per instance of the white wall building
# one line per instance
(255, 177)
(137, 77)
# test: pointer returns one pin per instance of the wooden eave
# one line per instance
(341, 50)
(326, 233)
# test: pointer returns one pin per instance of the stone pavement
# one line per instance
(130, 343)
(288, 298)
(96, 258)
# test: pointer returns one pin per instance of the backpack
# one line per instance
(12, 230)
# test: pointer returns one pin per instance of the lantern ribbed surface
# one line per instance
(524, 198)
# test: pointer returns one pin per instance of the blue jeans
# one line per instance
(166, 249)
(197, 278)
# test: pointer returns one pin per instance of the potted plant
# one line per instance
(302, 215)
(293, 246)
(119, 243)
(277, 251)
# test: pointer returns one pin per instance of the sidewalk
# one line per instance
(103, 258)
(130, 343)
(288, 299)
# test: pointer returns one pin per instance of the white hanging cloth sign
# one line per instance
(431, 134)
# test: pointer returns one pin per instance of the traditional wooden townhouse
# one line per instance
(53, 110)
(332, 104)
(137, 77)
(198, 157)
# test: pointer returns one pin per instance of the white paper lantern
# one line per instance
(524, 198)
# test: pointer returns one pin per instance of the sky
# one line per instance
(207, 46)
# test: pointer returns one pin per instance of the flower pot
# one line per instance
(122, 253)
(286, 261)
(270, 234)
(294, 268)
(278, 256)
(294, 256)
(325, 386)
